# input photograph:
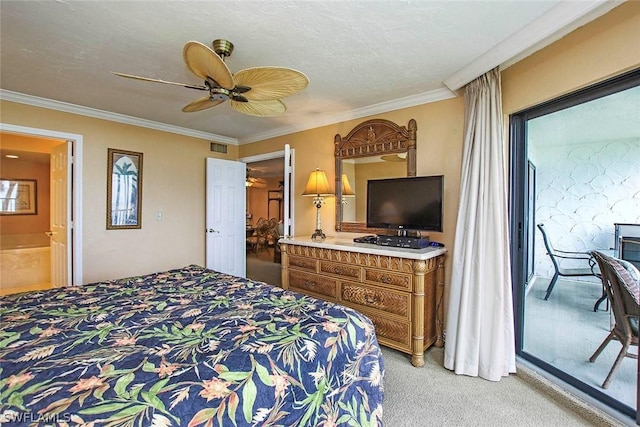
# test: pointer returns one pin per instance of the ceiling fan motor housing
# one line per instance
(222, 47)
(219, 93)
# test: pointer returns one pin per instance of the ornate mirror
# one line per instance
(374, 149)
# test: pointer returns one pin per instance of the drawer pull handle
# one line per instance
(371, 300)
(338, 270)
(308, 283)
(385, 279)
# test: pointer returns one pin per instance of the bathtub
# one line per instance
(25, 262)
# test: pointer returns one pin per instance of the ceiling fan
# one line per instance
(254, 182)
(255, 91)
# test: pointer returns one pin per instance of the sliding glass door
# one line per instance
(575, 175)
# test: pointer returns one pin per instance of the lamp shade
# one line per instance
(318, 184)
(346, 187)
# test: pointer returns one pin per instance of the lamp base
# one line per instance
(318, 235)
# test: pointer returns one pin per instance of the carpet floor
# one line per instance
(434, 396)
(260, 266)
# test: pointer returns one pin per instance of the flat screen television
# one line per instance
(412, 203)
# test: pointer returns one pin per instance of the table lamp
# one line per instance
(318, 187)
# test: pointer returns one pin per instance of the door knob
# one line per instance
(211, 230)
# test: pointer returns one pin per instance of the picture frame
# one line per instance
(124, 189)
(18, 196)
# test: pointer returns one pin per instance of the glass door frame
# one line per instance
(519, 221)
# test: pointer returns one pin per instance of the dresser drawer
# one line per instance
(400, 281)
(299, 280)
(387, 300)
(300, 263)
(391, 332)
(343, 270)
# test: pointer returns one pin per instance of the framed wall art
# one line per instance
(18, 197)
(124, 189)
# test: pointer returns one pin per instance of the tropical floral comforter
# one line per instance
(186, 347)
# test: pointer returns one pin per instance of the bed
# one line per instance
(188, 346)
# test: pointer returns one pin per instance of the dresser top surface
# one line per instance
(342, 244)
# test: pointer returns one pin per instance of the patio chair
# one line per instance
(623, 293)
(590, 266)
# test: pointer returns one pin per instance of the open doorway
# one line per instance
(575, 177)
(265, 216)
(54, 230)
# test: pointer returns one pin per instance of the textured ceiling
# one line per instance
(361, 57)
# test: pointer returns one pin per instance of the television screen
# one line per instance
(413, 203)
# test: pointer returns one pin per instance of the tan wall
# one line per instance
(173, 182)
(14, 141)
(27, 224)
(603, 48)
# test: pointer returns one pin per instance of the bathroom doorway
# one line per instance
(43, 249)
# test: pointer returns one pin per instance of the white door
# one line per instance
(288, 191)
(61, 243)
(226, 217)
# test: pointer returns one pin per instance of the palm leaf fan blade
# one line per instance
(269, 83)
(201, 104)
(148, 79)
(204, 62)
(259, 108)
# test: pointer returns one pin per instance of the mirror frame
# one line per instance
(375, 137)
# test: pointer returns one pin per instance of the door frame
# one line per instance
(288, 222)
(74, 198)
(518, 226)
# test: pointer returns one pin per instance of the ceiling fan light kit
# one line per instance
(254, 91)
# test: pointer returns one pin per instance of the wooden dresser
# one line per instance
(400, 290)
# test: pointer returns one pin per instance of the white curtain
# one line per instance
(479, 324)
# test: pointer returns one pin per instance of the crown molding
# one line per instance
(328, 119)
(318, 121)
(551, 26)
(35, 101)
